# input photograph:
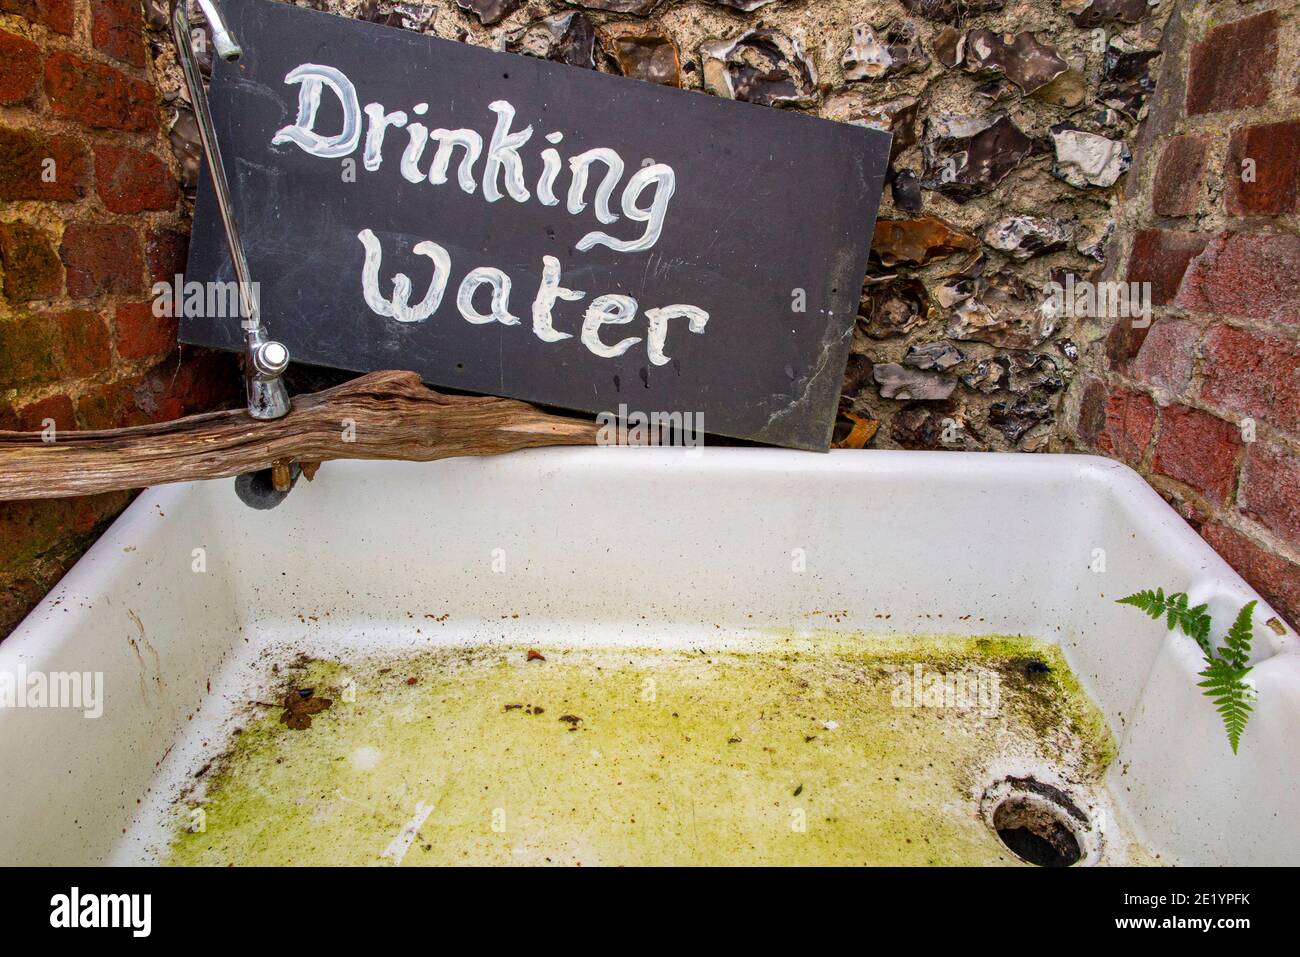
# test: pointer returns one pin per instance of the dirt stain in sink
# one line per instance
(842, 750)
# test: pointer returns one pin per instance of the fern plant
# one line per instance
(1225, 667)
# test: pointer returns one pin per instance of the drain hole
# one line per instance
(1036, 832)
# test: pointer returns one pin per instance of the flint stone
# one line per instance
(1014, 419)
(642, 52)
(490, 11)
(762, 66)
(896, 116)
(1093, 243)
(568, 38)
(744, 6)
(933, 355)
(1087, 159)
(921, 426)
(1033, 372)
(987, 376)
(917, 242)
(1126, 78)
(1004, 313)
(897, 382)
(880, 51)
(1067, 91)
(906, 191)
(891, 306)
(966, 156)
(1093, 13)
(1022, 58)
(962, 283)
(1026, 236)
(950, 46)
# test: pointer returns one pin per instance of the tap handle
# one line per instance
(222, 38)
(270, 358)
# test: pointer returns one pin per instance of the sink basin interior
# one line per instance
(769, 748)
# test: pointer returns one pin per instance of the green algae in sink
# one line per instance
(844, 751)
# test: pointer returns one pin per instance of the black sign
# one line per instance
(506, 225)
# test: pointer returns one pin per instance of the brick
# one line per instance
(1180, 178)
(1254, 275)
(32, 417)
(40, 348)
(1092, 410)
(1274, 149)
(35, 530)
(1167, 355)
(131, 181)
(1165, 107)
(32, 267)
(57, 15)
(1160, 257)
(1233, 66)
(202, 382)
(1200, 450)
(118, 30)
(29, 352)
(1270, 491)
(1130, 420)
(19, 595)
(111, 406)
(102, 260)
(38, 166)
(140, 333)
(165, 252)
(99, 95)
(20, 68)
(30, 528)
(1273, 576)
(1123, 342)
(83, 342)
(1253, 374)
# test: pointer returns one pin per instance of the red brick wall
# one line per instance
(91, 213)
(1206, 402)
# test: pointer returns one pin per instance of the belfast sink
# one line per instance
(191, 614)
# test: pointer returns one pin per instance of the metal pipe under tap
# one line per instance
(264, 359)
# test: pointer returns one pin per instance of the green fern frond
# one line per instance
(1236, 646)
(1226, 686)
(1194, 622)
(1225, 671)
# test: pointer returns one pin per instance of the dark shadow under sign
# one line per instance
(506, 225)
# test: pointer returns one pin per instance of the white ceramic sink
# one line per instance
(646, 548)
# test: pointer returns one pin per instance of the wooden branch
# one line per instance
(395, 416)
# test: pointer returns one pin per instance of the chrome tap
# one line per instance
(264, 359)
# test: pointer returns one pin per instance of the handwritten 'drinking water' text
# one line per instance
(644, 200)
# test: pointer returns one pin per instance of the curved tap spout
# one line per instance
(264, 360)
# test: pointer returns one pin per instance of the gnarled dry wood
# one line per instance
(393, 416)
